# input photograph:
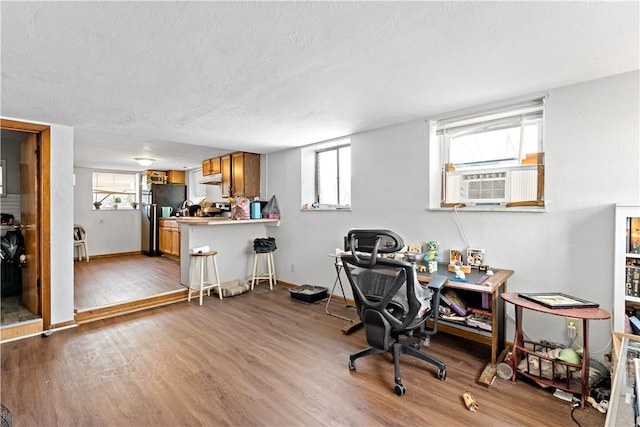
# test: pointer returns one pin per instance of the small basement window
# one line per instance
(113, 190)
(326, 175)
(489, 160)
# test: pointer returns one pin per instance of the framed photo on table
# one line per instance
(558, 300)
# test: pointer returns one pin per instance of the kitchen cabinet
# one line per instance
(211, 166)
(206, 167)
(169, 237)
(175, 177)
(215, 165)
(225, 169)
(245, 174)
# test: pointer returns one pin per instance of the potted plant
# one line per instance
(116, 202)
(134, 205)
(97, 205)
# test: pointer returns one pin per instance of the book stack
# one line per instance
(447, 314)
(632, 277)
(633, 234)
(480, 319)
(454, 302)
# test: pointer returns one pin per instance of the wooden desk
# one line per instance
(585, 314)
(494, 286)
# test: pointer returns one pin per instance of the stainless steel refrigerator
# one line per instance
(153, 199)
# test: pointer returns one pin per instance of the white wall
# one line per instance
(108, 231)
(61, 224)
(592, 156)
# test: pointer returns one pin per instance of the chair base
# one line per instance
(408, 346)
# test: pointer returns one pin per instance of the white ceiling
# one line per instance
(183, 81)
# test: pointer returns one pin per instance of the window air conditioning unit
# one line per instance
(491, 187)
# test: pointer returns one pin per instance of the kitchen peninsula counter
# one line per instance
(232, 239)
(193, 220)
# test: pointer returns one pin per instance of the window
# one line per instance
(333, 176)
(326, 175)
(492, 159)
(115, 190)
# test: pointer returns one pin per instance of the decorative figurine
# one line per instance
(459, 273)
(431, 255)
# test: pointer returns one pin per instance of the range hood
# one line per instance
(215, 179)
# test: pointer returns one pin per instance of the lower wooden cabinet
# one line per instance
(169, 234)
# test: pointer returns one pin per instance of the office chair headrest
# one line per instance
(373, 242)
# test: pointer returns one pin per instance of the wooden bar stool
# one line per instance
(203, 285)
(259, 259)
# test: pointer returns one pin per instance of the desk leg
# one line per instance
(584, 378)
(518, 342)
(335, 282)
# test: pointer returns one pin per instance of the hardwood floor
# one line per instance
(257, 359)
(116, 279)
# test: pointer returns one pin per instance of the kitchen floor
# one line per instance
(110, 280)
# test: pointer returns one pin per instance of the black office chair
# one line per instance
(390, 301)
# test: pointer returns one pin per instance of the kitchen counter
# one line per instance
(216, 220)
(232, 239)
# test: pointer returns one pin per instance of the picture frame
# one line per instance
(475, 257)
(558, 300)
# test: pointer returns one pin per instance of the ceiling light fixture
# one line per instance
(143, 161)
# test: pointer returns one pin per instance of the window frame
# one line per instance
(309, 175)
(442, 171)
(99, 196)
(337, 150)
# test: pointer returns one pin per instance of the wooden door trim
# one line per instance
(45, 208)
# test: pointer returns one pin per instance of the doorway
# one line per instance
(27, 199)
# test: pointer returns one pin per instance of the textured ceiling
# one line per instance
(142, 78)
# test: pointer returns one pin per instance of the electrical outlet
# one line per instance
(573, 327)
(293, 268)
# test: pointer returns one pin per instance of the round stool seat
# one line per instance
(210, 253)
(204, 283)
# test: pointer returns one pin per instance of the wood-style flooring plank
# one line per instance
(116, 279)
(257, 359)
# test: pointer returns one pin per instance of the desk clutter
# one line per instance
(454, 309)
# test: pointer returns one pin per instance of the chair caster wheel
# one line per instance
(400, 389)
(352, 365)
(442, 374)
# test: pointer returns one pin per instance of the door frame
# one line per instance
(44, 206)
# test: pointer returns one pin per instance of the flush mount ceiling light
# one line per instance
(143, 161)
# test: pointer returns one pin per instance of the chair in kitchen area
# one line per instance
(204, 274)
(80, 241)
(263, 249)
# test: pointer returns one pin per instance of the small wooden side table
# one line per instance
(585, 314)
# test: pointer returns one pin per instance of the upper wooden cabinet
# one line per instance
(215, 165)
(245, 174)
(225, 167)
(175, 177)
(211, 166)
(240, 173)
(206, 167)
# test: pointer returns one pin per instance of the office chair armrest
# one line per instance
(437, 282)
